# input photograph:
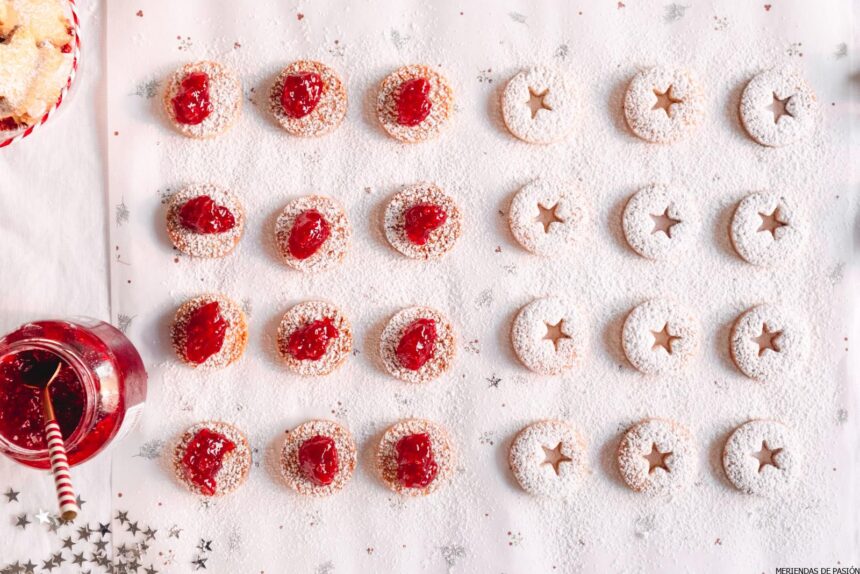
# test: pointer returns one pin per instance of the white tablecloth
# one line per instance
(482, 521)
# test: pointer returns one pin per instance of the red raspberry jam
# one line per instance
(417, 344)
(311, 341)
(203, 458)
(318, 460)
(66, 49)
(204, 333)
(416, 466)
(191, 103)
(413, 102)
(97, 396)
(8, 124)
(22, 377)
(310, 230)
(421, 220)
(202, 215)
(302, 92)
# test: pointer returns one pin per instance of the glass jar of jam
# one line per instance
(97, 396)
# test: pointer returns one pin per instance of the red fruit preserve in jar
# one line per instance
(97, 396)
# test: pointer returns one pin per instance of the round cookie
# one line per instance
(235, 461)
(440, 446)
(305, 322)
(662, 104)
(440, 97)
(657, 457)
(767, 343)
(190, 240)
(313, 119)
(549, 336)
(225, 99)
(438, 238)
(778, 107)
(291, 467)
(766, 229)
(548, 458)
(332, 250)
(539, 105)
(761, 457)
(659, 337)
(235, 335)
(440, 358)
(659, 221)
(546, 217)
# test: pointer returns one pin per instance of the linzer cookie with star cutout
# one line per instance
(767, 229)
(318, 458)
(308, 99)
(778, 107)
(314, 338)
(659, 221)
(547, 217)
(209, 332)
(659, 336)
(657, 457)
(414, 103)
(205, 220)
(422, 222)
(762, 457)
(539, 105)
(549, 458)
(415, 457)
(312, 233)
(202, 99)
(417, 345)
(212, 458)
(549, 336)
(663, 105)
(767, 343)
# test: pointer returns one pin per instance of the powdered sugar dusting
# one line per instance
(338, 348)
(545, 121)
(235, 338)
(441, 98)
(764, 241)
(659, 336)
(536, 471)
(443, 351)
(674, 120)
(744, 467)
(668, 438)
(441, 240)
(225, 95)
(550, 336)
(329, 111)
(561, 204)
(332, 251)
(235, 466)
(440, 444)
(768, 343)
(659, 221)
(289, 461)
(767, 92)
(200, 244)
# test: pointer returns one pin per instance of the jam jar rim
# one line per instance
(76, 362)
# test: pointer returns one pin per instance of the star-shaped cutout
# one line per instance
(771, 222)
(665, 100)
(766, 456)
(554, 334)
(536, 101)
(11, 495)
(663, 339)
(767, 341)
(656, 459)
(547, 216)
(777, 108)
(664, 223)
(554, 457)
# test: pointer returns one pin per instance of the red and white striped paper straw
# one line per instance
(60, 467)
(76, 56)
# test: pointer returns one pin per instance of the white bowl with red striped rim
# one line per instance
(9, 137)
